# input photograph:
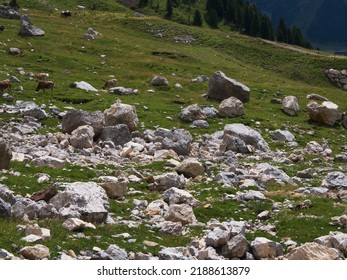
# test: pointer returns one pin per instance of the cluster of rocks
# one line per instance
(337, 77)
(91, 33)
(9, 12)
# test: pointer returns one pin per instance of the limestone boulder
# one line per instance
(87, 201)
(290, 105)
(231, 108)
(313, 251)
(283, 136)
(82, 137)
(84, 86)
(115, 187)
(325, 113)
(335, 180)
(221, 87)
(37, 252)
(28, 29)
(168, 180)
(190, 168)
(192, 113)
(180, 213)
(177, 196)
(178, 140)
(76, 118)
(119, 134)
(263, 248)
(242, 139)
(236, 247)
(159, 81)
(120, 113)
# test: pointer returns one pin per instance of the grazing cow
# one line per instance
(42, 85)
(110, 83)
(41, 76)
(5, 84)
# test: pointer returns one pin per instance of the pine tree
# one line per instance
(282, 31)
(212, 18)
(143, 3)
(168, 14)
(217, 6)
(197, 21)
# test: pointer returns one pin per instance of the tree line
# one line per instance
(239, 15)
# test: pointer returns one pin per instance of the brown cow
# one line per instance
(110, 83)
(5, 84)
(42, 85)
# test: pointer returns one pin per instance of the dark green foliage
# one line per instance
(197, 21)
(169, 11)
(143, 3)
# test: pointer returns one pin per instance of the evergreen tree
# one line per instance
(255, 23)
(212, 18)
(217, 6)
(266, 30)
(143, 3)
(282, 31)
(168, 14)
(197, 21)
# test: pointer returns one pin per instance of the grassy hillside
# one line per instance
(128, 48)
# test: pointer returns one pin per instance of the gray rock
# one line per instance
(82, 137)
(118, 134)
(182, 213)
(227, 178)
(116, 253)
(192, 113)
(75, 224)
(238, 137)
(172, 254)
(5, 154)
(5, 255)
(36, 113)
(221, 87)
(84, 86)
(313, 147)
(210, 112)
(290, 105)
(37, 252)
(178, 140)
(9, 12)
(87, 201)
(263, 248)
(306, 173)
(236, 247)
(49, 161)
(15, 51)
(76, 118)
(124, 91)
(200, 79)
(190, 168)
(25, 208)
(326, 113)
(269, 173)
(115, 188)
(335, 180)
(5, 209)
(178, 196)
(217, 237)
(200, 124)
(172, 228)
(313, 191)
(88, 37)
(159, 81)
(313, 251)
(120, 113)
(231, 108)
(316, 97)
(27, 29)
(169, 180)
(283, 135)
(339, 241)
(250, 196)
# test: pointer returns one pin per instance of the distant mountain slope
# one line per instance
(322, 21)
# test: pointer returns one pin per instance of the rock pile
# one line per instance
(337, 77)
